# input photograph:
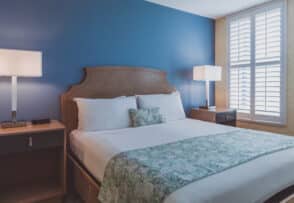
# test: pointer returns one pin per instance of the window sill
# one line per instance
(264, 123)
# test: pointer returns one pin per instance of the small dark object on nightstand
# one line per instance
(41, 121)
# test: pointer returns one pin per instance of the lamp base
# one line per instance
(13, 124)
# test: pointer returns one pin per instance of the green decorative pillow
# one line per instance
(146, 116)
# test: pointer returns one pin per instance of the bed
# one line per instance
(266, 178)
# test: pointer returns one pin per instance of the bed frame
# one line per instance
(110, 82)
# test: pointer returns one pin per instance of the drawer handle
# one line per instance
(30, 142)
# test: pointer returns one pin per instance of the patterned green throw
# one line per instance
(151, 174)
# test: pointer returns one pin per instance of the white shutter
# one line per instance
(268, 63)
(256, 63)
(240, 59)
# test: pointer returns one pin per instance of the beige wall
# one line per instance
(221, 87)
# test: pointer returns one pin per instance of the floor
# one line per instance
(72, 199)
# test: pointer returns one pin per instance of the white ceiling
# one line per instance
(209, 8)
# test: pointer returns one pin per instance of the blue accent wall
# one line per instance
(73, 34)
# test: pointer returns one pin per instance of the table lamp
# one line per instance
(207, 73)
(14, 64)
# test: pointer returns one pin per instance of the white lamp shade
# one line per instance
(210, 73)
(20, 63)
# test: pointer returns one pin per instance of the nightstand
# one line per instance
(217, 115)
(33, 163)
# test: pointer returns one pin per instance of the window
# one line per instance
(257, 63)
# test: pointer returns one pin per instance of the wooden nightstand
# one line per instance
(218, 115)
(33, 163)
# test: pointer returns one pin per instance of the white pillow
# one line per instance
(104, 114)
(170, 105)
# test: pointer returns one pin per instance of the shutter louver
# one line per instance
(240, 56)
(268, 63)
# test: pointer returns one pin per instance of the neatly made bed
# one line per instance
(256, 180)
(95, 149)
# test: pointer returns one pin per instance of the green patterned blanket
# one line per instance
(151, 174)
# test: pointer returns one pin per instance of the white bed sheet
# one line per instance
(253, 182)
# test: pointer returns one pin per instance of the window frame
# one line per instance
(251, 12)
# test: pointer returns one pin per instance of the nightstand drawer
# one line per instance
(11, 144)
(46, 140)
(225, 117)
(23, 143)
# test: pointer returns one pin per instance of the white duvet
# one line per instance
(252, 182)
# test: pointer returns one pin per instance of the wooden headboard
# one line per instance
(110, 82)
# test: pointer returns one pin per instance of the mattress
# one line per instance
(253, 181)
